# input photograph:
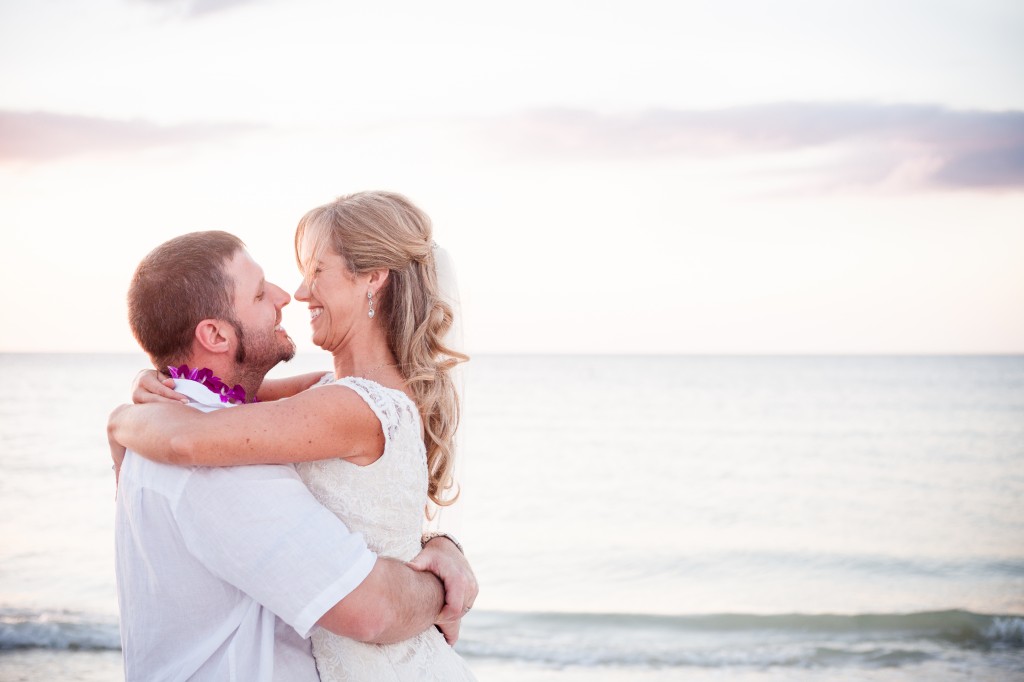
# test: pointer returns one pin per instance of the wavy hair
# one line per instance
(384, 230)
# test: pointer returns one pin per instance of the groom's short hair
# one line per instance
(178, 285)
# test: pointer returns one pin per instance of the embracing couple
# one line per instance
(311, 561)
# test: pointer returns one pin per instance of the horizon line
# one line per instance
(309, 353)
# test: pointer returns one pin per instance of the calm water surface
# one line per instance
(668, 488)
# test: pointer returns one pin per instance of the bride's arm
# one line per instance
(331, 421)
(152, 387)
(286, 387)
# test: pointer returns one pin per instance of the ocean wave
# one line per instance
(25, 629)
(714, 641)
(726, 640)
(1008, 630)
(953, 621)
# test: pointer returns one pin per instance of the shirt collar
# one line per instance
(198, 393)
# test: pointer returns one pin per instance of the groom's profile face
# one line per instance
(262, 341)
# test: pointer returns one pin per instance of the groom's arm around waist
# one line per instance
(260, 529)
(393, 603)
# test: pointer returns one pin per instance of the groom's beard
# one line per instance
(260, 351)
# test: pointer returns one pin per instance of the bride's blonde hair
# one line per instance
(384, 230)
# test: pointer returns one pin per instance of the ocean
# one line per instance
(629, 517)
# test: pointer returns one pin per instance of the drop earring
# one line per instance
(369, 295)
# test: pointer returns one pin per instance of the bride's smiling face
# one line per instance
(336, 298)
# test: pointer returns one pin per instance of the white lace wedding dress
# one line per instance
(384, 501)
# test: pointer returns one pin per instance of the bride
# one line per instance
(375, 441)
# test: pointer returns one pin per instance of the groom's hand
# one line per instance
(444, 559)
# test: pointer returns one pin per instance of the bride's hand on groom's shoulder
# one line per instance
(443, 558)
(150, 386)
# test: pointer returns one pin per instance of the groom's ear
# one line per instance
(214, 336)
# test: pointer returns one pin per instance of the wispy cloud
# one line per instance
(43, 136)
(923, 145)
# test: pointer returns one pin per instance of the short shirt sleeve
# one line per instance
(261, 530)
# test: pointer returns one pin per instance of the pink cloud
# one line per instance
(935, 145)
(43, 136)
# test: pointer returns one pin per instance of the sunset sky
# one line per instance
(649, 177)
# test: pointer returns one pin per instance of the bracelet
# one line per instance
(431, 536)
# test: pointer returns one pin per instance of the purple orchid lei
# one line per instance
(205, 377)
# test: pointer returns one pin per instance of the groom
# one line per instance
(222, 573)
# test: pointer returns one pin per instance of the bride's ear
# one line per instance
(378, 278)
(214, 336)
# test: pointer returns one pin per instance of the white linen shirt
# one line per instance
(223, 572)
